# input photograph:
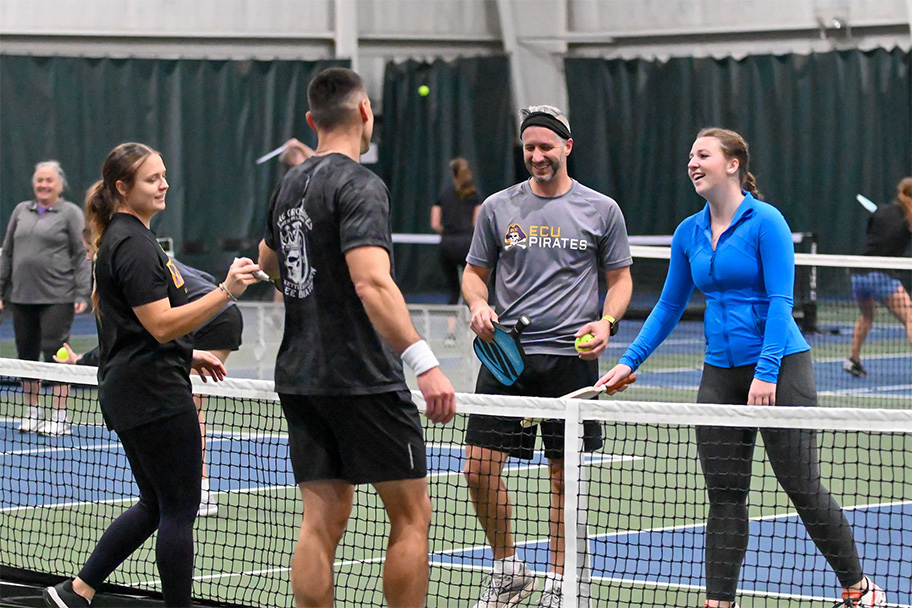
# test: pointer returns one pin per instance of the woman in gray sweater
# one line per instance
(44, 280)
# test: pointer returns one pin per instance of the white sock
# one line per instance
(508, 565)
(205, 485)
(552, 580)
(34, 412)
(59, 416)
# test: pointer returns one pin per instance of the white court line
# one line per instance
(878, 356)
(83, 448)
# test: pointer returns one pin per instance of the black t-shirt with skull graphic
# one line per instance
(321, 209)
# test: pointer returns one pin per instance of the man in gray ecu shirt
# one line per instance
(545, 239)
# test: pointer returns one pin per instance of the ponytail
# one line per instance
(100, 207)
(904, 198)
(749, 184)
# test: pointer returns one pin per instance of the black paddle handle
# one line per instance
(521, 324)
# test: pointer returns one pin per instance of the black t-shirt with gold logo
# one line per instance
(139, 380)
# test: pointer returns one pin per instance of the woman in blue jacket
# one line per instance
(738, 251)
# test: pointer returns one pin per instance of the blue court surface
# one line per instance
(90, 466)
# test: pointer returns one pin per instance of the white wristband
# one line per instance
(420, 357)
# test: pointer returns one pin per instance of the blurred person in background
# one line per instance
(295, 153)
(889, 234)
(453, 218)
(45, 280)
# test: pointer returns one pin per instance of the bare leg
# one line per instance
(61, 393)
(483, 472)
(327, 505)
(556, 515)
(405, 572)
(32, 388)
(862, 326)
(901, 307)
(83, 589)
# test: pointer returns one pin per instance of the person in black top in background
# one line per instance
(453, 218)
(144, 389)
(889, 234)
(351, 419)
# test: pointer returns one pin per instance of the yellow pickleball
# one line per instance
(578, 343)
(424, 90)
(62, 353)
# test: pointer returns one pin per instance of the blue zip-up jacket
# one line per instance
(748, 282)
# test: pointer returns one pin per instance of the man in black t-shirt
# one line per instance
(347, 331)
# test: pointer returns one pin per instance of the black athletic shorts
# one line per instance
(221, 333)
(355, 438)
(41, 328)
(544, 376)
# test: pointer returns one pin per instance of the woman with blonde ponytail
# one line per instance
(889, 234)
(145, 356)
(738, 251)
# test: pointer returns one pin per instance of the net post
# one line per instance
(572, 449)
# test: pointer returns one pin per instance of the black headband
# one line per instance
(548, 121)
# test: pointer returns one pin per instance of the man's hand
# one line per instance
(482, 323)
(439, 396)
(601, 333)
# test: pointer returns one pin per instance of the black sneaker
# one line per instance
(855, 368)
(63, 596)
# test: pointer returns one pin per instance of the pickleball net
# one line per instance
(635, 508)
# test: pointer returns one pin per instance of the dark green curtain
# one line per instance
(466, 113)
(821, 127)
(210, 120)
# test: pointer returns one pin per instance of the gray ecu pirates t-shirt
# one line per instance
(546, 254)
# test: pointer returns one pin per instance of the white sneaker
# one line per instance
(553, 597)
(208, 505)
(31, 424)
(871, 596)
(505, 590)
(53, 428)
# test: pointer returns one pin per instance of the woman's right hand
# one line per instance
(241, 274)
(71, 357)
(615, 375)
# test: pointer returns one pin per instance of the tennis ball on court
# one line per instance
(424, 90)
(578, 343)
(62, 353)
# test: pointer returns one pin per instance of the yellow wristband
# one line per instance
(613, 324)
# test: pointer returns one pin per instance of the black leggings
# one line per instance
(166, 459)
(726, 456)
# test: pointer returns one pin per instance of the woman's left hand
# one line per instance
(205, 363)
(762, 393)
(79, 307)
